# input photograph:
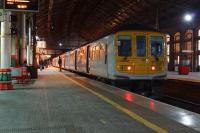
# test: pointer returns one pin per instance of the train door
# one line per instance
(156, 53)
(141, 60)
(75, 59)
(63, 60)
(88, 60)
(106, 58)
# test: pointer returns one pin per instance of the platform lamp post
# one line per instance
(188, 18)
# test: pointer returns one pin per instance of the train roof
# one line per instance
(126, 27)
(131, 27)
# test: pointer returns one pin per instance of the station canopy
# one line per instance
(75, 22)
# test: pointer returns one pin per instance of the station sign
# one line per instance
(22, 5)
(2, 18)
(187, 51)
(41, 44)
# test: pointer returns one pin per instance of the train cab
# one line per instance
(140, 54)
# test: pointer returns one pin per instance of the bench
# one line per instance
(20, 74)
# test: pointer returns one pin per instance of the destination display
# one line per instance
(21, 5)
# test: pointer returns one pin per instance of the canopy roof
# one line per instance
(76, 22)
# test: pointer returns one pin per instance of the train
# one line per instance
(137, 55)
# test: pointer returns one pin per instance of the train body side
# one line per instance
(102, 58)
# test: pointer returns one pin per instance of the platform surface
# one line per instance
(68, 103)
(192, 76)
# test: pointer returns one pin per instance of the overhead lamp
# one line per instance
(37, 38)
(60, 44)
(188, 17)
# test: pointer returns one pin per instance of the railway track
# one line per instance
(174, 101)
(181, 103)
(172, 97)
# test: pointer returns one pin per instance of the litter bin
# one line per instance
(33, 71)
(183, 70)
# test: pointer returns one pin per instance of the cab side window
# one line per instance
(141, 45)
(157, 44)
(124, 46)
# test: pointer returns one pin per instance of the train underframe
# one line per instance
(150, 88)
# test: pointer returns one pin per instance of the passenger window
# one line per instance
(97, 53)
(157, 44)
(101, 53)
(91, 53)
(141, 45)
(124, 46)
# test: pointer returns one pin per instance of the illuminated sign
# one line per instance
(41, 44)
(21, 5)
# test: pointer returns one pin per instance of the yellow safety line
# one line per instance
(123, 109)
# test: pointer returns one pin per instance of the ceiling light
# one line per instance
(188, 17)
(37, 37)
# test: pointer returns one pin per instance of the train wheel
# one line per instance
(143, 88)
(113, 83)
(148, 88)
(158, 88)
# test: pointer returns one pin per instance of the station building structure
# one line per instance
(183, 48)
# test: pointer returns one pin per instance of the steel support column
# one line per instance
(29, 47)
(23, 47)
(5, 71)
(6, 43)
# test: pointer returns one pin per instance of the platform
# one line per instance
(184, 87)
(69, 103)
(192, 76)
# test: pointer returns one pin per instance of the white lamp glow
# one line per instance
(188, 17)
(37, 38)
(60, 44)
